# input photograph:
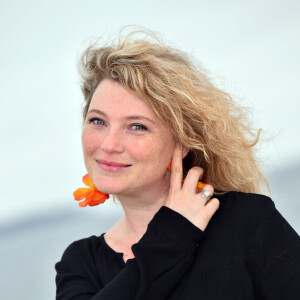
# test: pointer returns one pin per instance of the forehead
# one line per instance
(112, 98)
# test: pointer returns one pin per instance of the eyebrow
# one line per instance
(133, 117)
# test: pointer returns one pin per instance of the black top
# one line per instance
(248, 251)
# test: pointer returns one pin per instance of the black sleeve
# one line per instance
(280, 257)
(162, 256)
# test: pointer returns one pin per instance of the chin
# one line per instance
(108, 187)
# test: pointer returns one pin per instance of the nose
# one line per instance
(112, 141)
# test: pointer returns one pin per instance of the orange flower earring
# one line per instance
(91, 194)
(200, 184)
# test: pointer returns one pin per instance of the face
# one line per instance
(126, 147)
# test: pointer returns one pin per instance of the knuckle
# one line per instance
(185, 194)
(178, 169)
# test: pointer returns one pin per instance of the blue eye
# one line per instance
(96, 121)
(138, 127)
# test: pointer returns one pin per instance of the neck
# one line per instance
(140, 209)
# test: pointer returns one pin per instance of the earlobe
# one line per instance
(185, 151)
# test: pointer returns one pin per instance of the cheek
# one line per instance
(153, 153)
(138, 149)
(90, 142)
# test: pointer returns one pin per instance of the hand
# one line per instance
(185, 199)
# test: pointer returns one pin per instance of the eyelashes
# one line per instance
(96, 121)
(134, 126)
(139, 127)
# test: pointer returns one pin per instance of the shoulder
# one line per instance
(257, 214)
(251, 206)
(246, 200)
(243, 214)
(248, 206)
(80, 251)
(84, 245)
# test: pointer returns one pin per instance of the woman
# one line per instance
(146, 104)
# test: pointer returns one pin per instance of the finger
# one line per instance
(206, 193)
(176, 168)
(212, 205)
(192, 178)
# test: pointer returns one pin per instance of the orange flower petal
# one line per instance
(87, 180)
(81, 193)
(92, 195)
(84, 203)
(200, 185)
(94, 203)
(91, 201)
(169, 166)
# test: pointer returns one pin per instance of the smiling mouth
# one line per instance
(111, 166)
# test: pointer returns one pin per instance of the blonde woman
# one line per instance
(146, 104)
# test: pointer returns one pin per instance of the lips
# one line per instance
(111, 163)
(111, 166)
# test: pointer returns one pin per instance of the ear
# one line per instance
(185, 151)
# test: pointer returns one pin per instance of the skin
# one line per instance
(121, 128)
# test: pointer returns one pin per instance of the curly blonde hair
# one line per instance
(201, 117)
